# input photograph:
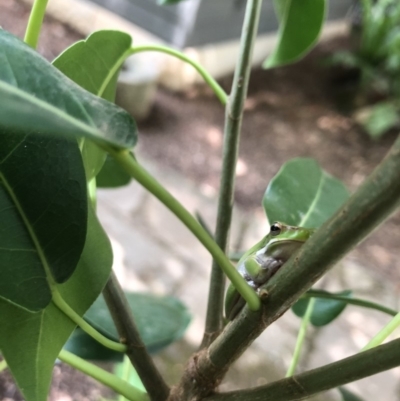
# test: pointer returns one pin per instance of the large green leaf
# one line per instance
(325, 310)
(300, 23)
(302, 194)
(36, 97)
(43, 214)
(160, 321)
(31, 342)
(94, 64)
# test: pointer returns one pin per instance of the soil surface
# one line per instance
(290, 112)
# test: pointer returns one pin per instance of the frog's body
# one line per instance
(263, 260)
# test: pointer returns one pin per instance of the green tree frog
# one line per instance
(264, 259)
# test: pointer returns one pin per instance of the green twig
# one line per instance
(210, 81)
(300, 338)
(126, 367)
(85, 326)
(3, 365)
(384, 333)
(108, 379)
(132, 167)
(121, 313)
(352, 301)
(35, 23)
(233, 125)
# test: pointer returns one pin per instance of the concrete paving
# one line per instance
(154, 252)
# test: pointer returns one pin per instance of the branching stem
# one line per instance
(233, 126)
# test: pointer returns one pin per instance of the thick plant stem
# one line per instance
(35, 23)
(233, 125)
(368, 207)
(300, 338)
(132, 167)
(336, 374)
(108, 379)
(129, 335)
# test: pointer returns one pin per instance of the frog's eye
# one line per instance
(276, 229)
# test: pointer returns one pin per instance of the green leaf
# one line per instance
(43, 214)
(348, 395)
(160, 321)
(301, 22)
(37, 97)
(112, 175)
(303, 194)
(31, 342)
(325, 310)
(94, 65)
(378, 119)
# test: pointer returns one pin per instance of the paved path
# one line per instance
(154, 252)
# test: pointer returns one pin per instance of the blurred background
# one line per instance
(339, 105)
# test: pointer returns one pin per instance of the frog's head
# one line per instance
(284, 240)
(280, 244)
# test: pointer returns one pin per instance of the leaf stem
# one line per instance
(209, 80)
(85, 326)
(300, 338)
(3, 365)
(112, 381)
(131, 166)
(353, 301)
(232, 130)
(35, 22)
(384, 333)
(136, 351)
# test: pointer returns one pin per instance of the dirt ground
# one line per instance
(290, 112)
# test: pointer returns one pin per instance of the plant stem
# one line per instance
(210, 81)
(108, 379)
(129, 374)
(130, 165)
(136, 350)
(35, 22)
(3, 365)
(300, 338)
(352, 301)
(232, 129)
(384, 333)
(85, 326)
(335, 374)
